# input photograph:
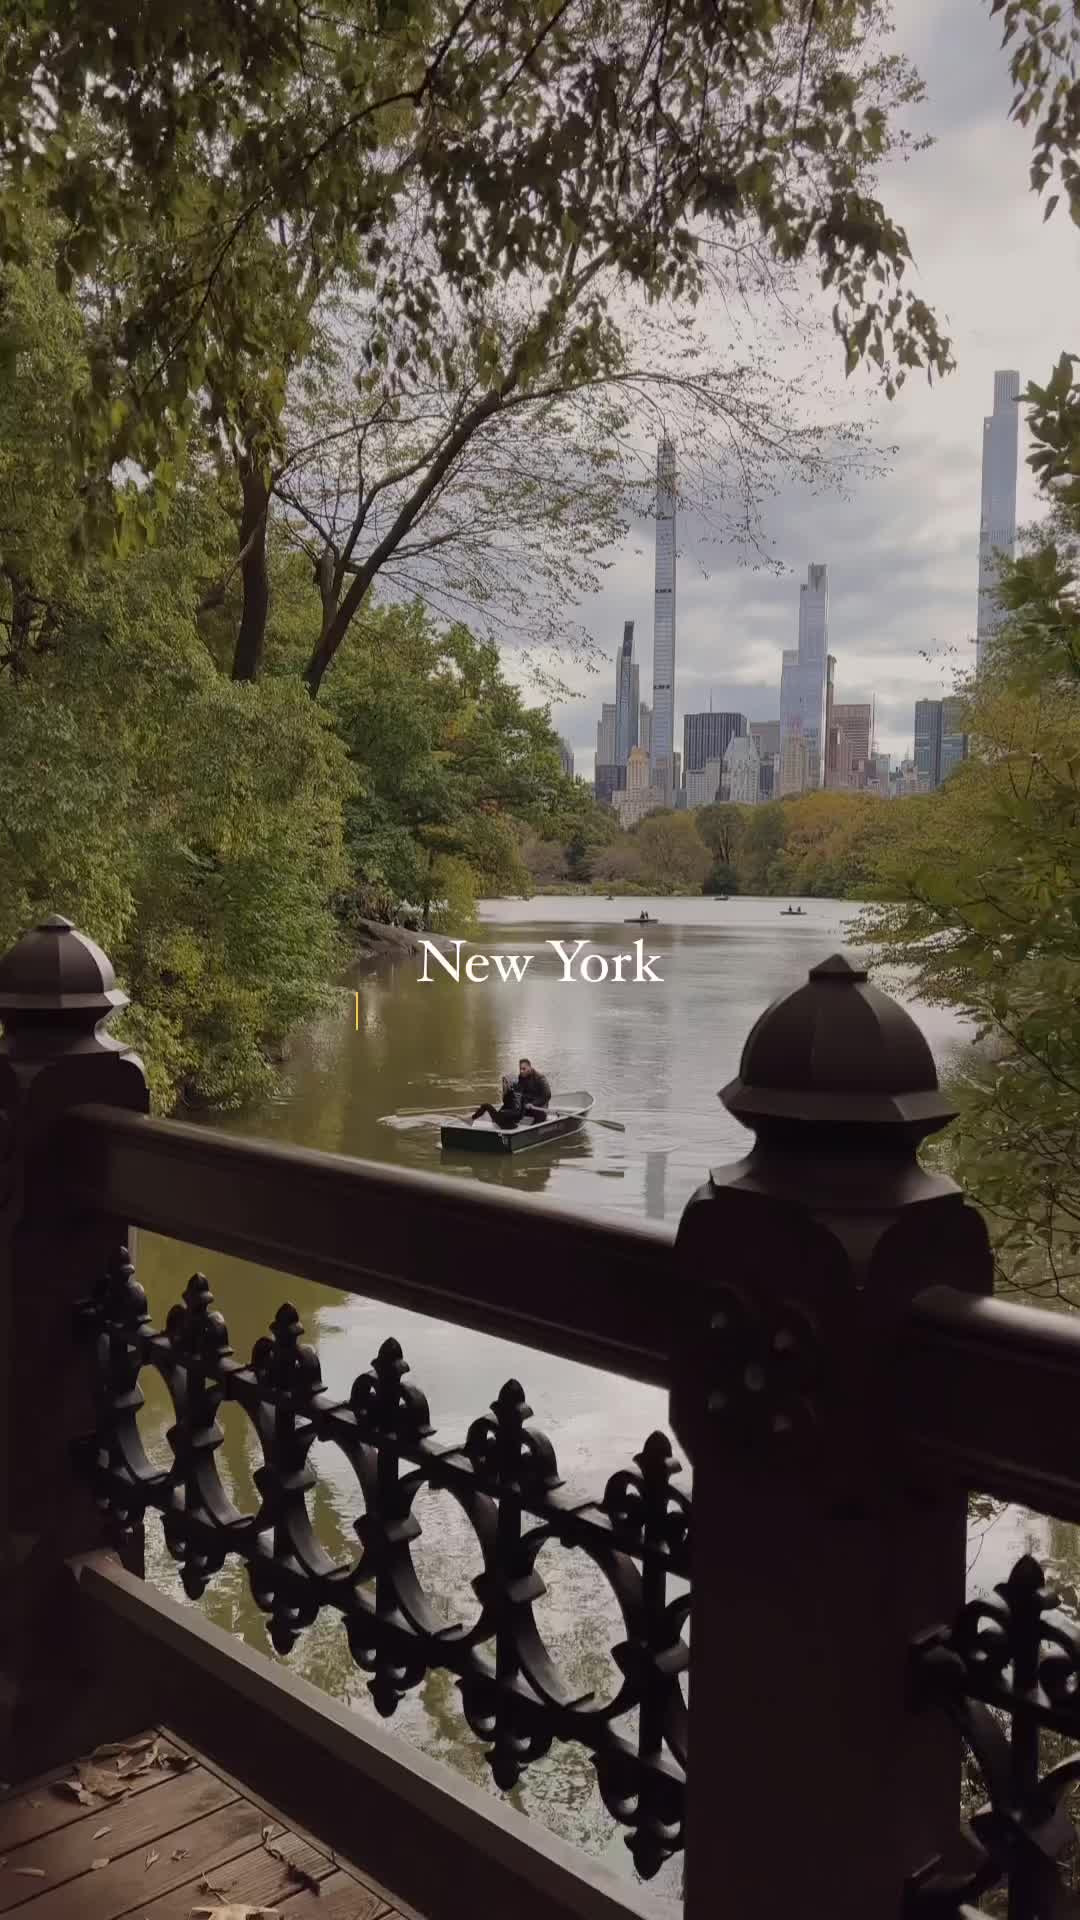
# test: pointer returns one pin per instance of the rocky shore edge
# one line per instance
(374, 940)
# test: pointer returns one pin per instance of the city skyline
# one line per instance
(902, 545)
(808, 671)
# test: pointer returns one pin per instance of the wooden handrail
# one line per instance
(585, 1289)
(987, 1396)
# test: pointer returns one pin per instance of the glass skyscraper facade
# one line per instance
(997, 521)
(627, 697)
(707, 736)
(805, 688)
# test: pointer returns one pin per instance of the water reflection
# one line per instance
(655, 1184)
(529, 1170)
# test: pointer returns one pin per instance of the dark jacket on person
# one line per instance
(532, 1089)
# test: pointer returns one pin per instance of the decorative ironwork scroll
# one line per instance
(1008, 1674)
(505, 1479)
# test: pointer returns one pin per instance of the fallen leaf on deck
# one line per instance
(216, 1893)
(100, 1834)
(267, 1834)
(235, 1913)
(30, 1873)
(78, 1792)
(179, 1762)
(180, 1853)
(98, 1780)
(110, 1748)
(150, 1858)
(140, 1762)
(95, 1864)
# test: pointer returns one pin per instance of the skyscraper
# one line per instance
(703, 784)
(636, 798)
(805, 684)
(954, 741)
(605, 736)
(566, 756)
(997, 522)
(706, 737)
(850, 736)
(742, 771)
(765, 735)
(855, 723)
(607, 776)
(940, 740)
(928, 742)
(627, 697)
(645, 728)
(662, 753)
(794, 764)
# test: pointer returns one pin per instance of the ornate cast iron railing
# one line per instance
(504, 1477)
(1006, 1673)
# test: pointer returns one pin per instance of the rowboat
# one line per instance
(567, 1113)
(636, 920)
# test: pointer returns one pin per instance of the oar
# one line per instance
(420, 1113)
(415, 1113)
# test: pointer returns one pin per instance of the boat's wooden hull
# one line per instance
(483, 1138)
(641, 923)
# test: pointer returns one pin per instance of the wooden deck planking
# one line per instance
(184, 1836)
(43, 1804)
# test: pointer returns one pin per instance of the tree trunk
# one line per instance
(251, 636)
(22, 620)
(334, 629)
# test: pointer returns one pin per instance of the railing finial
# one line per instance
(57, 989)
(838, 1052)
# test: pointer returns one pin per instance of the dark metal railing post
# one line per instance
(56, 991)
(818, 1549)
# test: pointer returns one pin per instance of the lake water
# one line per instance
(654, 1056)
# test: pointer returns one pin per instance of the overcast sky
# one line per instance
(902, 553)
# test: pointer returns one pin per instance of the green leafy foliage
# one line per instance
(452, 766)
(190, 825)
(989, 874)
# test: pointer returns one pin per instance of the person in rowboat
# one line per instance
(526, 1098)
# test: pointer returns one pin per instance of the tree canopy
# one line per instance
(475, 198)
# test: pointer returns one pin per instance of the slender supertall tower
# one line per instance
(662, 758)
(627, 698)
(997, 523)
(806, 689)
